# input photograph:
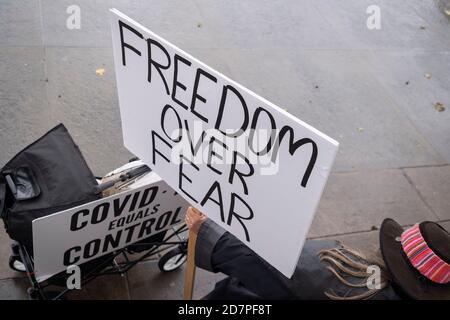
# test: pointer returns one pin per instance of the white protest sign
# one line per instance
(86, 232)
(250, 166)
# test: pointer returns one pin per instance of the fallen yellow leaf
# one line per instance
(100, 71)
(439, 107)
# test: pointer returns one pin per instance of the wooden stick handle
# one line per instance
(189, 277)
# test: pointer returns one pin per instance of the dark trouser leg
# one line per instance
(232, 257)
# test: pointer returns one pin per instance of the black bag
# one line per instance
(48, 176)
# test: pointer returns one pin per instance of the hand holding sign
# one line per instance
(194, 219)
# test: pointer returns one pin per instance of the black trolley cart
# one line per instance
(51, 175)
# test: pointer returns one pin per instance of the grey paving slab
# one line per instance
(359, 201)
(433, 12)
(22, 72)
(147, 282)
(446, 225)
(87, 104)
(112, 287)
(335, 92)
(262, 24)
(14, 289)
(20, 23)
(417, 24)
(5, 251)
(268, 24)
(433, 185)
(416, 81)
(177, 21)
(94, 23)
(23, 107)
(319, 25)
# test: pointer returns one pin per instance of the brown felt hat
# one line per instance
(404, 274)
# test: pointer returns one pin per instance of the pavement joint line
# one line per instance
(419, 193)
(56, 46)
(44, 48)
(341, 234)
(391, 168)
(393, 50)
(362, 231)
(41, 23)
(426, 166)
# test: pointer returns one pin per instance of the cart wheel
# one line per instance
(172, 260)
(16, 264)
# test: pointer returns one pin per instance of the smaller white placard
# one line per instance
(86, 232)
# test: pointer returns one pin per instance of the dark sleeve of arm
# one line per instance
(219, 251)
(207, 238)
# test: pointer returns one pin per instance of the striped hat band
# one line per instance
(423, 258)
